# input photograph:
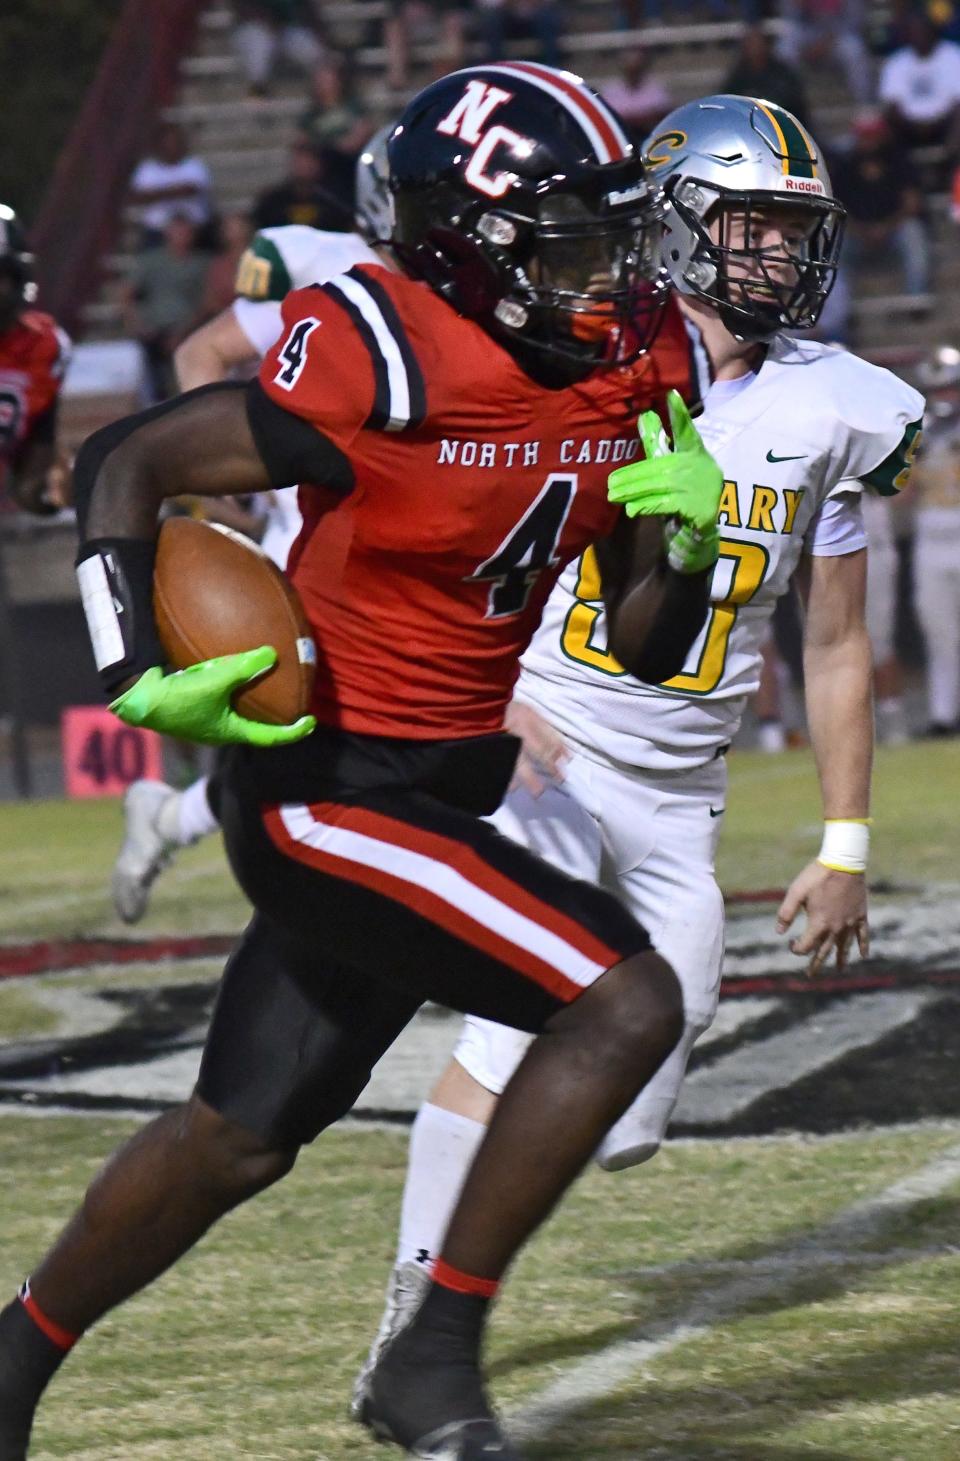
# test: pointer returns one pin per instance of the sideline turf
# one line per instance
(55, 857)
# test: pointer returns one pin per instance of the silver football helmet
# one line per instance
(374, 205)
(751, 222)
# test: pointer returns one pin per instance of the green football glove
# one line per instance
(682, 484)
(194, 704)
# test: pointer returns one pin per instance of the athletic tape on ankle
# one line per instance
(846, 844)
(463, 1283)
(57, 1335)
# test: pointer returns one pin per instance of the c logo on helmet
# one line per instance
(661, 150)
(468, 119)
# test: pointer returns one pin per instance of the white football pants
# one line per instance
(652, 841)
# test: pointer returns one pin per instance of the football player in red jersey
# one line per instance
(33, 356)
(461, 416)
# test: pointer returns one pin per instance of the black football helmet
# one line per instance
(16, 268)
(520, 198)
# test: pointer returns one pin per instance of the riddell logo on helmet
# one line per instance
(627, 195)
(804, 185)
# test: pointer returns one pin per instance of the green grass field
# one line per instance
(723, 1302)
(248, 1348)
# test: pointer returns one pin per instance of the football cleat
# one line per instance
(471, 1440)
(408, 1286)
(145, 851)
(432, 1408)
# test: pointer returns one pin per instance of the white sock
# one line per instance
(442, 1147)
(194, 817)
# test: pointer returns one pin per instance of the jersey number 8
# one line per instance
(749, 564)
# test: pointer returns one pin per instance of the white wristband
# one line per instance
(846, 845)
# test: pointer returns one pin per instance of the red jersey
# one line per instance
(473, 487)
(33, 356)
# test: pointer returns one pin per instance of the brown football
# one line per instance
(215, 592)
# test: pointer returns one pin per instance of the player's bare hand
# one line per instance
(836, 907)
(542, 749)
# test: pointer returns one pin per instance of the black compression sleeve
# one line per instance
(291, 449)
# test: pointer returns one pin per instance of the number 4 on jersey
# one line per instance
(293, 355)
(528, 549)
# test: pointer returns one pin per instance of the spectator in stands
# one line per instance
(269, 29)
(220, 289)
(337, 125)
(639, 12)
(640, 97)
(500, 22)
(758, 72)
(885, 217)
(171, 183)
(826, 33)
(920, 89)
(163, 299)
(944, 14)
(303, 196)
(433, 20)
(935, 492)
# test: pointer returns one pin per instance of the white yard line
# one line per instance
(714, 1094)
(604, 1373)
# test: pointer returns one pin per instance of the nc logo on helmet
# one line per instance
(468, 119)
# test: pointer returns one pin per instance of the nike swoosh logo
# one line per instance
(718, 813)
(772, 458)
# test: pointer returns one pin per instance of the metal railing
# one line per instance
(81, 211)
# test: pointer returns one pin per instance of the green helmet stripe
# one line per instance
(794, 141)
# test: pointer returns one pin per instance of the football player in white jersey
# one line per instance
(625, 782)
(158, 819)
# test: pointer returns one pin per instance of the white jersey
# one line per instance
(278, 260)
(281, 259)
(815, 423)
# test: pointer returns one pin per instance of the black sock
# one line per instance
(450, 1323)
(28, 1361)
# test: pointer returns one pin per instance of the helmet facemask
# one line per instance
(766, 261)
(568, 291)
(585, 289)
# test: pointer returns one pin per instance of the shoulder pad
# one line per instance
(871, 416)
(262, 273)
